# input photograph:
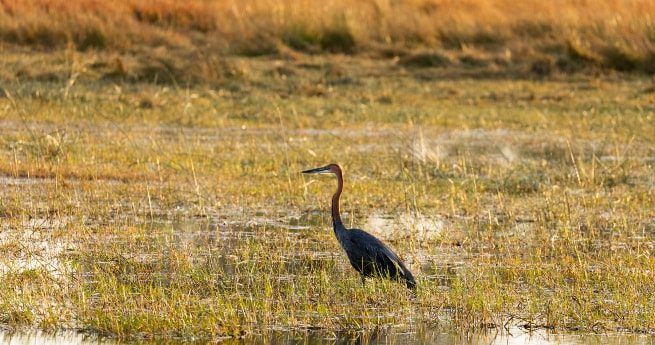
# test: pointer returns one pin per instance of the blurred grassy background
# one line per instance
(184, 39)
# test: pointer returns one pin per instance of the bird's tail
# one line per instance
(409, 281)
(408, 277)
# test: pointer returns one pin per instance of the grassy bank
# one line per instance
(531, 36)
(149, 210)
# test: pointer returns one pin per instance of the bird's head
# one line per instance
(328, 169)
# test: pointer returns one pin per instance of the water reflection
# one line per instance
(515, 336)
(37, 337)
(431, 336)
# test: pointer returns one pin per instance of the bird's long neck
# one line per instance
(336, 215)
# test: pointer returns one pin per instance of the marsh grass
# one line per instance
(155, 211)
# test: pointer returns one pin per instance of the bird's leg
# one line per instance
(363, 280)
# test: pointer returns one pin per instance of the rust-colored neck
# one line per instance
(336, 216)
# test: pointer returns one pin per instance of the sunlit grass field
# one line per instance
(159, 210)
(150, 158)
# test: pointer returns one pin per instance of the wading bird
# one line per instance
(367, 254)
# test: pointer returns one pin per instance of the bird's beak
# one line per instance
(321, 170)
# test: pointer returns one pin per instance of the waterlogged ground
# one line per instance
(420, 336)
(141, 211)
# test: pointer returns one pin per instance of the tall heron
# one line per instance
(367, 254)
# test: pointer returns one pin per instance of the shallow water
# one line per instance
(406, 224)
(424, 336)
(211, 236)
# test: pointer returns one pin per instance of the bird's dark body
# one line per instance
(370, 257)
(367, 254)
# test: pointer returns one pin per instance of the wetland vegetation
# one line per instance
(152, 203)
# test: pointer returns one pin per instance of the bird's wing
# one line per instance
(371, 247)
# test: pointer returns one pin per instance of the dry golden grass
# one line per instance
(565, 35)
